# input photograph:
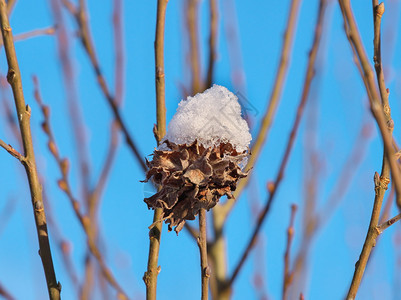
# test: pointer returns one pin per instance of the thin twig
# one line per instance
(32, 33)
(12, 151)
(150, 276)
(231, 29)
(202, 243)
(93, 203)
(94, 198)
(64, 185)
(273, 103)
(314, 221)
(380, 113)
(24, 113)
(305, 93)
(77, 121)
(290, 235)
(192, 10)
(388, 223)
(383, 118)
(212, 41)
(81, 19)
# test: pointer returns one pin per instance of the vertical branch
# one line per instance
(383, 118)
(24, 112)
(192, 23)
(150, 276)
(159, 61)
(202, 243)
(212, 41)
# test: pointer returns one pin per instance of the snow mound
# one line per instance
(211, 118)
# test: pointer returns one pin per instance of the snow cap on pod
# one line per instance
(211, 118)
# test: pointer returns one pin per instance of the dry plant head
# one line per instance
(203, 165)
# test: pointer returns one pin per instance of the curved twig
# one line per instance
(273, 104)
(291, 140)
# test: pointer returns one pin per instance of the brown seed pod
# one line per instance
(192, 177)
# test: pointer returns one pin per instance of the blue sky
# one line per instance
(337, 97)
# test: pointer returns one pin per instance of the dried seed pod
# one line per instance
(192, 177)
(200, 158)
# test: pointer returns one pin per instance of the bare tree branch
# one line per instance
(275, 96)
(305, 93)
(150, 276)
(24, 113)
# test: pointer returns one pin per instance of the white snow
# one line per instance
(211, 117)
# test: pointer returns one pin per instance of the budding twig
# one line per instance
(24, 113)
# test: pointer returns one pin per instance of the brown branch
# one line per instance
(385, 123)
(315, 221)
(64, 185)
(81, 19)
(237, 74)
(202, 243)
(24, 112)
(12, 151)
(388, 223)
(77, 122)
(212, 41)
(93, 200)
(273, 103)
(150, 276)
(305, 93)
(380, 113)
(192, 10)
(290, 235)
(218, 259)
(32, 34)
(94, 204)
